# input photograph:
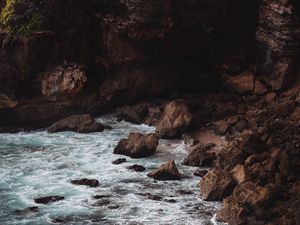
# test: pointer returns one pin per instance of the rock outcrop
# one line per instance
(176, 119)
(137, 145)
(167, 171)
(86, 182)
(77, 123)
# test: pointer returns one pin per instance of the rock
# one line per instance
(101, 196)
(138, 145)
(170, 200)
(102, 202)
(167, 171)
(271, 97)
(189, 140)
(239, 174)
(118, 161)
(247, 196)
(216, 185)
(133, 114)
(222, 126)
(295, 116)
(259, 88)
(28, 210)
(63, 82)
(282, 109)
(200, 173)
(86, 182)
(152, 197)
(243, 83)
(113, 206)
(184, 192)
(136, 168)
(6, 102)
(200, 156)
(241, 125)
(176, 119)
(77, 123)
(48, 199)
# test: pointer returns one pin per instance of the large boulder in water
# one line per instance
(48, 199)
(167, 171)
(78, 123)
(86, 182)
(176, 119)
(200, 156)
(138, 145)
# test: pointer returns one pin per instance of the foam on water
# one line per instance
(38, 164)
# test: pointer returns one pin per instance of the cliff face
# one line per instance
(131, 49)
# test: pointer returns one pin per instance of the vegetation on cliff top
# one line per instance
(21, 17)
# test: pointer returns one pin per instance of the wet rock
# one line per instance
(118, 161)
(6, 102)
(138, 145)
(113, 206)
(152, 197)
(216, 185)
(245, 197)
(200, 173)
(101, 196)
(136, 168)
(63, 82)
(102, 202)
(167, 171)
(200, 156)
(48, 199)
(28, 210)
(86, 182)
(133, 114)
(222, 126)
(243, 83)
(176, 119)
(77, 123)
(170, 200)
(184, 192)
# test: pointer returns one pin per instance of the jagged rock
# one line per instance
(247, 196)
(176, 119)
(243, 83)
(239, 174)
(136, 168)
(282, 109)
(259, 88)
(137, 145)
(48, 199)
(119, 161)
(167, 171)
(86, 182)
(6, 102)
(216, 185)
(63, 82)
(78, 123)
(200, 156)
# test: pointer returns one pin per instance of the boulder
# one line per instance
(247, 196)
(216, 185)
(176, 119)
(137, 145)
(118, 161)
(86, 182)
(77, 123)
(133, 114)
(200, 156)
(259, 88)
(243, 83)
(239, 174)
(200, 173)
(285, 108)
(6, 102)
(136, 168)
(48, 199)
(167, 171)
(63, 82)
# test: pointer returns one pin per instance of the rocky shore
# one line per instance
(221, 75)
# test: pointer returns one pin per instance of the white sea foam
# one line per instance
(37, 164)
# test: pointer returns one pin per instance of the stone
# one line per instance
(63, 82)
(175, 120)
(167, 171)
(242, 84)
(119, 161)
(6, 102)
(259, 88)
(136, 168)
(200, 173)
(295, 116)
(48, 199)
(77, 123)
(200, 156)
(86, 182)
(137, 145)
(282, 109)
(239, 174)
(133, 114)
(216, 185)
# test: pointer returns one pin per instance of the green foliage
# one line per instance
(24, 22)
